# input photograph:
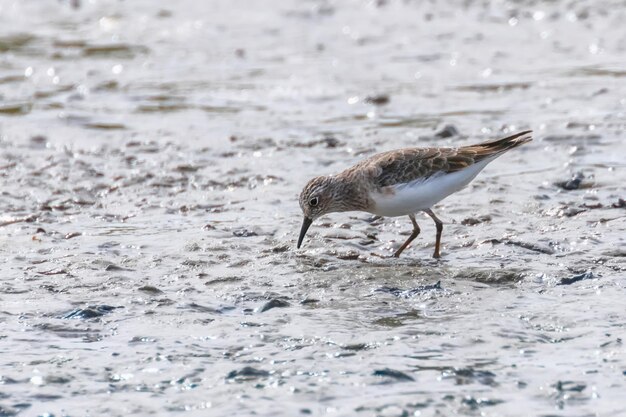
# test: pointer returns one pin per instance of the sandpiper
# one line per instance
(402, 182)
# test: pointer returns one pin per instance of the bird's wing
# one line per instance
(411, 164)
(407, 165)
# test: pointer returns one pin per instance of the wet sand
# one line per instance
(151, 156)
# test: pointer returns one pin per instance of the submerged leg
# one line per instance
(439, 225)
(416, 231)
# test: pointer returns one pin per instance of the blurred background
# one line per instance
(199, 72)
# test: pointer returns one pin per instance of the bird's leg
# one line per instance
(416, 231)
(439, 225)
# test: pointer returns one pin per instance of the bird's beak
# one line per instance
(305, 226)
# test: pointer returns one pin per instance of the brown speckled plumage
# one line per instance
(352, 189)
(405, 165)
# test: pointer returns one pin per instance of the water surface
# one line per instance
(151, 154)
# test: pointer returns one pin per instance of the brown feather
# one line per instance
(405, 165)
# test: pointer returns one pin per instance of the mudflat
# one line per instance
(151, 156)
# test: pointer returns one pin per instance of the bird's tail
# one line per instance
(510, 142)
(499, 146)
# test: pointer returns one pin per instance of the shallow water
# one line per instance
(151, 155)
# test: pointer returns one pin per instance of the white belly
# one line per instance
(418, 195)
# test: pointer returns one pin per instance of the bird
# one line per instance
(402, 182)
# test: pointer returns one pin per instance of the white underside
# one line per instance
(418, 195)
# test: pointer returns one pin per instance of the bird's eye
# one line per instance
(314, 201)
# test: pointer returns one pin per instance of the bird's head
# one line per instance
(319, 197)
